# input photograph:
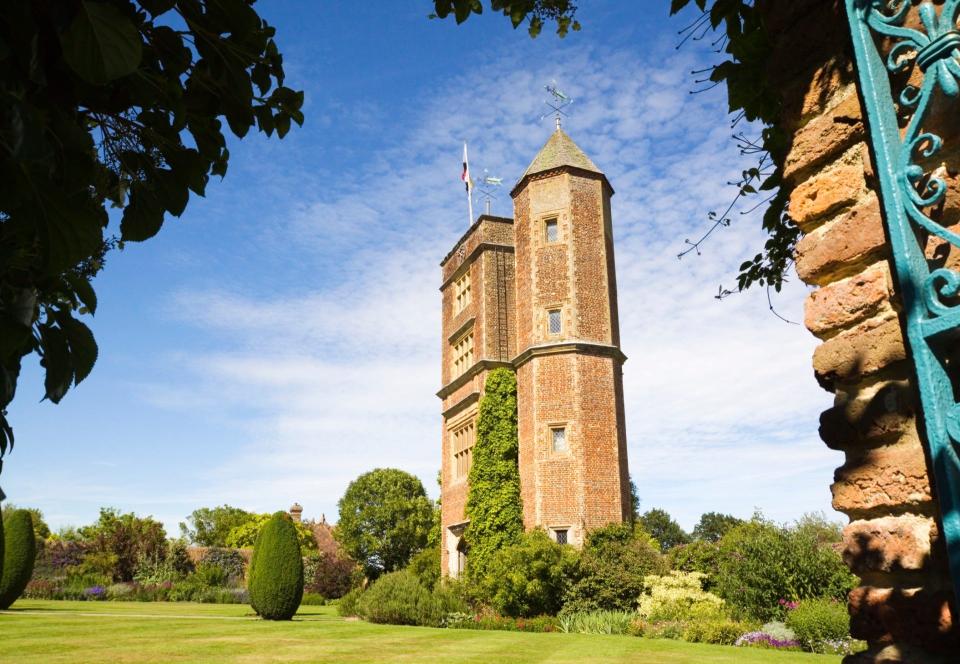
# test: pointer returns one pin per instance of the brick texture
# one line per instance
(902, 608)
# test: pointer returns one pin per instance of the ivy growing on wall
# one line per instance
(493, 502)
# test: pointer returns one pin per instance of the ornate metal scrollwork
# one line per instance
(929, 49)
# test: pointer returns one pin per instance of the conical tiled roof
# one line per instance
(560, 150)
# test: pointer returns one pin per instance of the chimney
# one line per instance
(296, 512)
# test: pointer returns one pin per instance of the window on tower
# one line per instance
(462, 354)
(552, 233)
(462, 440)
(462, 295)
(554, 321)
(561, 536)
(558, 439)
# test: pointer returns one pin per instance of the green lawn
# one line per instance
(121, 632)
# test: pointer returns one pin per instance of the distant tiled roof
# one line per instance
(560, 150)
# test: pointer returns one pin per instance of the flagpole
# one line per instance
(466, 162)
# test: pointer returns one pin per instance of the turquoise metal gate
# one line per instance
(890, 43)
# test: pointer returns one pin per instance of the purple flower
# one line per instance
(95, 592)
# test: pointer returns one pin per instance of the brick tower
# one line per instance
(538, 294)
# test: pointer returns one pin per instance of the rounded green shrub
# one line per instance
(529, 578)
(398, 598)
(19, 554)
(349, 604)
(818, 620)
(276, 570)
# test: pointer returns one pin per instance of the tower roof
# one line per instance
(560, 150)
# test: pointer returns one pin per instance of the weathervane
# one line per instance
(486, 187)
(560, 101)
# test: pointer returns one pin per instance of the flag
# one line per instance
(465, 176)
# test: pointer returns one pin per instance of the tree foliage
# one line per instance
(19, 553)
(535, 12)
(761, 563)
(275, 581)
(714, 525)
(116, 103)
(244, 535)
(210, 526)
(663, 528)
(128, 538)
(700, 555)
(611, 569)
(493, 502)
(331, 575)
(750, 95)
(40, 527)
(530, 577)
(385, 518)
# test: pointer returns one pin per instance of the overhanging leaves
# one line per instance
(101, 44)
(101, 106)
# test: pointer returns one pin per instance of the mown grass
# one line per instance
(133, 632)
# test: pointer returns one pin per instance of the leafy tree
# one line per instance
(212, 525)
(529, 578)
(634, 503)
(127, 537)
(664, 529)
(331, 575)
(698, 556)
(535, 12)
(114, 103)
(385, 518)
(276, 570)
(611, 569)
(761, 563)
(493, 502)
(244, 535)
(714, 525)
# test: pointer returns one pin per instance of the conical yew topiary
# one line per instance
(275, 581)
(19, 552)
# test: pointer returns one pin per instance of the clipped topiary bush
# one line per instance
(276, 570)
(19, 553)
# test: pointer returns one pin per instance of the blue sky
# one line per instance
(283, 336)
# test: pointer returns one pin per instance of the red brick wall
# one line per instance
(902, 605)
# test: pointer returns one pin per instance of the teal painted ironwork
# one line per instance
(909, 192)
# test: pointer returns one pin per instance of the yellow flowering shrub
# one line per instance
(679, 596)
